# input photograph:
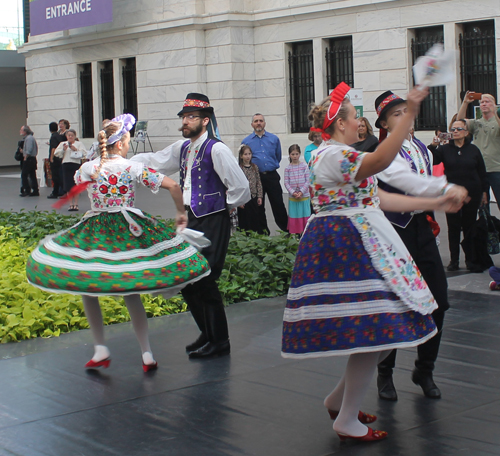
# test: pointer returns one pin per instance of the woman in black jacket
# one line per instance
(463, 165)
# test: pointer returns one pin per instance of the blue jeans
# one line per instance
(494, 181)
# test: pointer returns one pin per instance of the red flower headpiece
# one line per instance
(336, 98)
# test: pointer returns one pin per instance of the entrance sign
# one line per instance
(55, 15)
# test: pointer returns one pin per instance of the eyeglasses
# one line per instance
(190, 117)
(457, 129)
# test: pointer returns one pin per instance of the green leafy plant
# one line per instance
(257, 266)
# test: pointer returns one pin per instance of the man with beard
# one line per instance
(212, 184)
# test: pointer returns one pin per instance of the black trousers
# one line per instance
(68, 171)
(272, 188)
(421, 244)
(461, 221)
(56, 171)
(203, 297)
(29, 182)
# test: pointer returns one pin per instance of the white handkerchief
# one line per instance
(195, 238)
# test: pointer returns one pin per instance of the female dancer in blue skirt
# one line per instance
(355, 289)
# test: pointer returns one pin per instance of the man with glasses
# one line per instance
(212, 184)
(411, 173)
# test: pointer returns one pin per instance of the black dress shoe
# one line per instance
(22, 195)
(386, 388)
(198, 343)
(52, 196)
(211, 349)
(34, 194)
(424, 379)
(453, 266)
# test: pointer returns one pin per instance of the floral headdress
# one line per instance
(127, 122)
(336, 98)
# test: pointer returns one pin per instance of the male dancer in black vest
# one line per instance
(411, 173)
(212, 183)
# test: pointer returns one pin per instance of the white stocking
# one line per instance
(94, 317)
(140, 324)
(334, 400)
(358, 375)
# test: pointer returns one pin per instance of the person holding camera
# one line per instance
(486, 135)
(463, 165)
(71, 152)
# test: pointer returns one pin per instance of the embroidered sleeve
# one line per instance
(350, 161)
(83, 174)
(151, 178)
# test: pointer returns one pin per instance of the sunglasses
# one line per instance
(457, 129)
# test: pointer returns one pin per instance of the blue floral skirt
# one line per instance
(339, 304)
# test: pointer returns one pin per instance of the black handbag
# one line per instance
(493, 240)
(18, 155)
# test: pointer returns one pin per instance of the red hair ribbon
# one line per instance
(76, 190)
(336, 98)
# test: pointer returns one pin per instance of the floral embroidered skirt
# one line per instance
(100, 256)
(339, 304)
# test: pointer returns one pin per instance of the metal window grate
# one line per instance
(301, 66)
(107, 91)
(86, 101)
(129, 76)
(339, 62)
(478, 60)
(433, 109)
(26, 19)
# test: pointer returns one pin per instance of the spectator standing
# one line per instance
(249, 213)
(486, 135)
(55, 162)
(71, 152)
(316, 139)
(266, 150)
(29, 180)
(297, 184)
(368, 142)
(64, 126)
(463, 165)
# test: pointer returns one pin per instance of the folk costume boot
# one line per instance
(218, 338)
(198, 343)
(426, 382)
(386, 389)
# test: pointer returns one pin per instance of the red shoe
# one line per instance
(149, 367)
(94, 365)
(371, 436)
(363, 417)
(494, 286)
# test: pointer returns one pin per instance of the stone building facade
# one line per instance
(240, 53)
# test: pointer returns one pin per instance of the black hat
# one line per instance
(385, 102)
(196, 102)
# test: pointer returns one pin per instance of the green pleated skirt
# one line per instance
(100, 256)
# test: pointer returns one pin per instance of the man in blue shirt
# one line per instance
(266, 154)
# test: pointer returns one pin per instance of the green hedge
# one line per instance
(256, 267)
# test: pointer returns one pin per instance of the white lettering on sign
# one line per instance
(66, 9)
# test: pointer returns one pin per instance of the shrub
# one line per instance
(257, 266)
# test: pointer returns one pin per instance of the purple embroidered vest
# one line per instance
(208, 193)
(402, 219)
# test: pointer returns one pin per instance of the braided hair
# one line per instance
(104, 148)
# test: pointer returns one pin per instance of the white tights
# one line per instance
(139, 322)
(350, 391)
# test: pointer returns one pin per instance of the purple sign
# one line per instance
(55, 15)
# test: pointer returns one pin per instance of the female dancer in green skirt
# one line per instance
(116, 249)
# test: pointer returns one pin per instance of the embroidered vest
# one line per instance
(208, 193)
(402, 219)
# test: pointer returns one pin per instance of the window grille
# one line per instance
(477, 60)
(300, 61)
(107, 91)
(129, 76)
(86, 101)
(339, 62)
(433, 109)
